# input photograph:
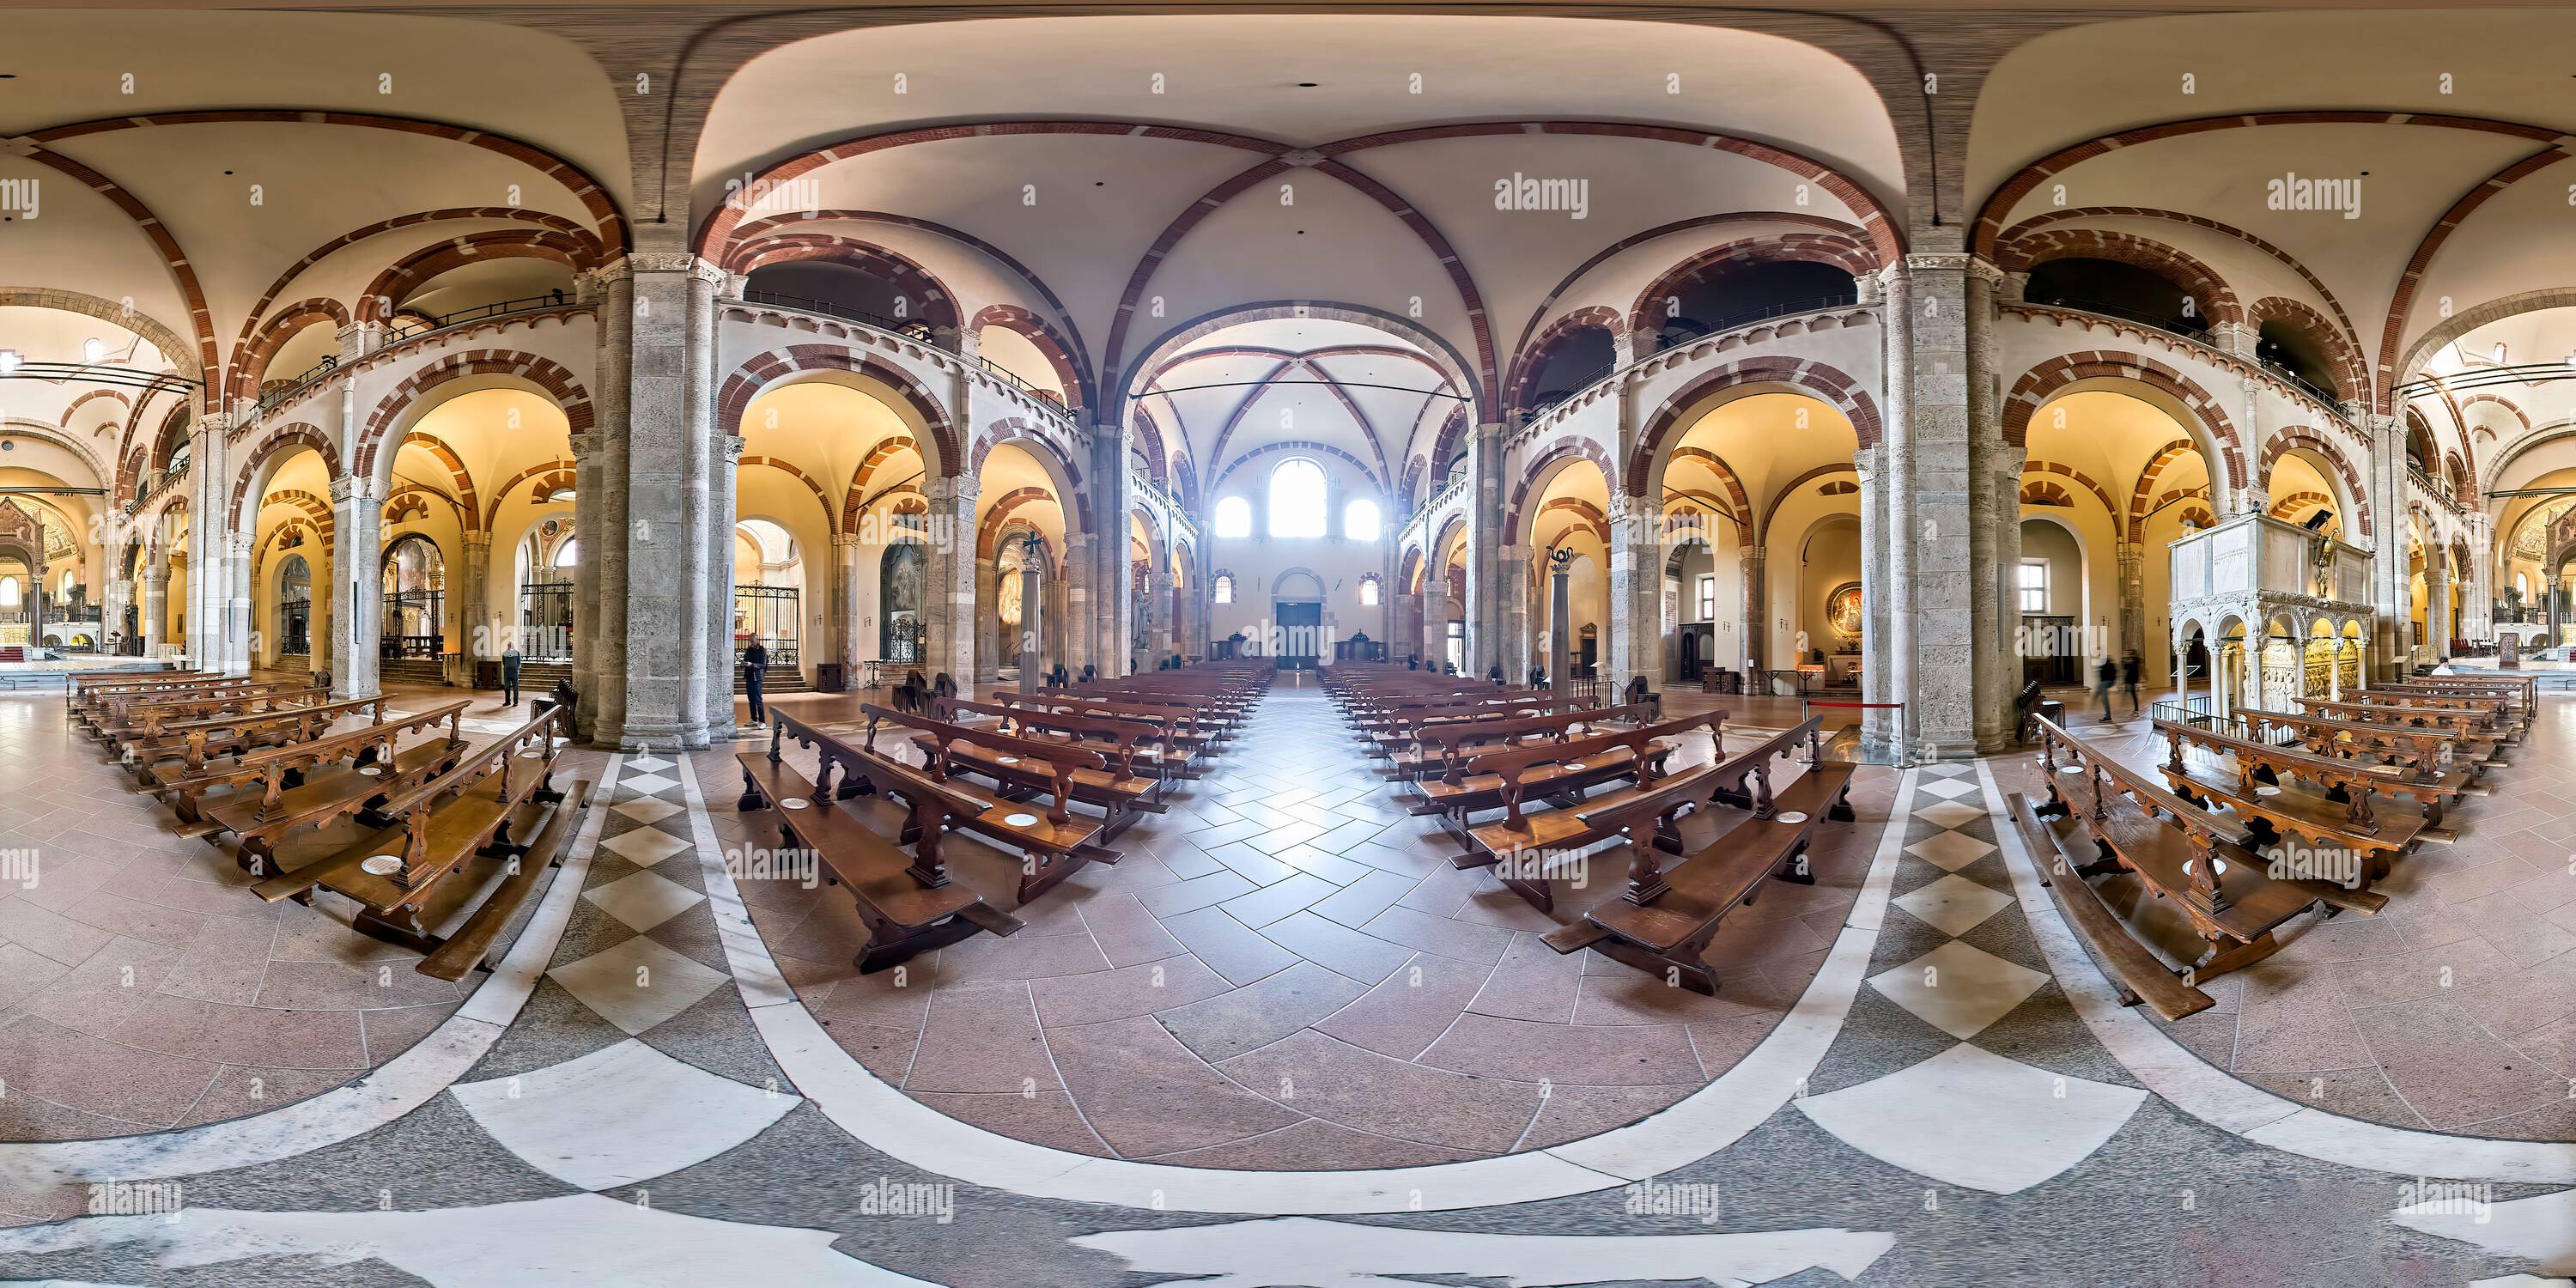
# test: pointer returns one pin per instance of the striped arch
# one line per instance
(456, 473)
(383, 295)
(1060, 353)
(2140, 505)
(2210, 291)
(1742, 509)
(1594, 521)
(989, 538)
(2305, 439)
(1541, 467)
(548, 376)
(1762, 528)
(543, 473)
(912, 283)
(893, 445)
(2042, 492)
(2499, 400)
(1043, 444)
(111, 395)
(758, 374)
(1814, 379)
(2074, 475)
(2041, 385)
(1294, 445)
(2352, 376)
(1645, 317)
(252, 356)
(2284, 507)
(316, 509)
(790, 469)
(1526, 367)
(278, 442)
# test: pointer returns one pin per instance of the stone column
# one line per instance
(1932, 408)
(1880, 730)
(1999, 679)
(238, 655)
(2391, 595)
(848, 647)
(2437, 607)
(356, 590)
(1511, 576)
(1081, 635)
(948, 600)
(154, 621)
(717, 523)
(114, 594)
(1032, 617)
(1636, 644)
(209, 547)
(986, 626)
(2133, 595)
(2477, 619)
(1492, 579)
(1434, 622)
(599, 514)
(1111, 612)
(35, 601)
(1560, 629)
(1757, 616)
(481, 627)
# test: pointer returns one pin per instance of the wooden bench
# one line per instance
(1053, 845)
(2428, 755)
(2505, 706)
(104, 705)
(1176, 726)
(147, 723)
(76, 683)
(1560, 774)
(2476, 736)
(1024, 764)
(429, 830)
(2336, 815)
(907, 901)
(1448, 743)
(2182, 854)
(1134, 748)
(2488, 713)
(312, 785)
(1663, 922)
(186, 749)
(2139, 974)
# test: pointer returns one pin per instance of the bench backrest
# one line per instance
(2105, 779)
(1118, 740)
(1449, 737)
(274, 764)
(1054, 761)
(547, 734)
(1170, 719)
(1514, 765)
(933, 803)
(154, 719)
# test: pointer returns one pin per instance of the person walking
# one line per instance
(2103, 676)
(2129, 667)
(755, 671)
(510, 675)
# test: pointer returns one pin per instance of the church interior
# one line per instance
(1401, 643)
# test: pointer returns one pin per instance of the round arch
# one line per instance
(451, 377)
(1644, 475)
(2201, 416)
(927, 419)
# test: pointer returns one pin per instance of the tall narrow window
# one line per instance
(1233, 517)
(1360, 520)
(1368, 592)
(1297, 499)
(2034, 585)
(1707, 597)
(1222, 589)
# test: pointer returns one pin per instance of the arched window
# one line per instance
(2522, 586)
(1368, 591)
(1233, 517)
(1297, 499)
(1222, 589)
(9, 594)
(1360, 520)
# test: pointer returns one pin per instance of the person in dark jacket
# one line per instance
(2129, 667)
(755, 672)
(2103, 676)
(510, 675)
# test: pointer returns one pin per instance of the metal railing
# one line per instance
(409, 328)
(1540, 403)
(910, 329)
(2302, 383)
(2195, 328)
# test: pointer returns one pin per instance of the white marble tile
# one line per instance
(620, 1115)
(638, 983)
(571, 1240)
(1305, 1250)
(648, 763)
(1948, 789)
(651, 782)
(1953, 905)
(1950, 851)
(648, 809)
(1949, 814)
(1957, 988)
(2001, 1126)
(643, 900)
(645, 846)
(2541, 1228)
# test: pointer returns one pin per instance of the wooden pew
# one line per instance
(76, 683)
(2182, 854)
(145, 724)
(2138, 973)
(1133, 748)
(1053, 845)
(1449, 742)
(1558, 773)
(1663, 922)
(1176, 726)
(185, 750)
(2326, 800)
(311, 785)
(2428, 755)
(1023, 766)
(2475, 735)
(430, 830)
(103, 704)
(2506, 705)
(907, 901)
(2490, 711)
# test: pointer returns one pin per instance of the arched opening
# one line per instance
(294, 610)
(1024, 523)
(545, 563)
(1563, 520)
(1297, 616)
(2053, 587)
(1572, 359)
(414, 575)
(2120, 290)
(2131, 474)
(861, 289)
(1736, 293)
(1296, 506)
(903, 578)
(2294, 351)
(768, 592)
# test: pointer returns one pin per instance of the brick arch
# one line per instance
(1012, 429)
(2462, 482)
(2043, 383)
(1150, 434)
(2043, 492)
(2282, 506)
(539, 472)
(2343, 320)
(2352, 378)
(1594, 520)
(988, 535)
(1742, 514)
(891, 446)
(1814, 379)
(278, 442)
(406, 503)
(549, 378)
(110, 394)
(1060, 352)
(2499, 400)
(1845, 253)
(2300, 437)
(790, 469)
(408, 274)
(315, 508)
(909, 279)
(1293, 445)
(456, 473)
(2142, 498)
(1762, 529)
(1526, 368)
(1563, 451)
(2216, 299)
(2074, 475)
(252, 356)
(763, 371)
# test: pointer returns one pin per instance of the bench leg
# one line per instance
(1794, 868)
(889, 945)
(752, 798)
(1841, 811)
(2218, 961)
(412, 935)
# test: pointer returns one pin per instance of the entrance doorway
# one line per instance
(1301, 625)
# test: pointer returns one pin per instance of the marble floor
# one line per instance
(1280, 1043)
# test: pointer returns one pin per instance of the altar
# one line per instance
(2282, 612)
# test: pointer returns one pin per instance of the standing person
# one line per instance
(510, 675)
(2103, 676)
(2129, 680)
(755, 670)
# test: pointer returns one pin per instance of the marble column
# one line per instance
(600, 515)
(482, 627)
(1511, 578)
(1493, 580)
(953, 575)
(724, 465)
(1755, 566)
(1110, 614)
(1636, 644)
(1932, 417)
(35, 602)
(1080, 634)
(849, 647)
(238, 655)
(2133, 595)
(2391, 592)
(2437, 608)
(989, 649)
(1033, 618)
(356, 589)
(1880, 730)
(1560, 630)
(677, 624)
(1434, 622)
